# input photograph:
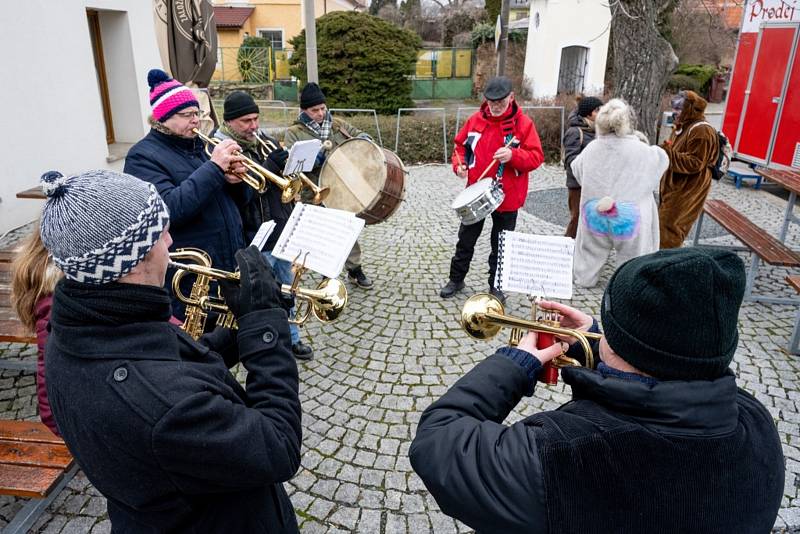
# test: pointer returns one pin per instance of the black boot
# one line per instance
(302, 351)
(358, 277)
(498, 294)
(450, 289)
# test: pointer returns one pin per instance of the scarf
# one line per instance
(323, 131)
(115, 303)
(249, 146)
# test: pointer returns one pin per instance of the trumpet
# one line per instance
(258, 176)
(483, 316)
(320, 193)
(326, 302)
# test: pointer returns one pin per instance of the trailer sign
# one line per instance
(759, 11)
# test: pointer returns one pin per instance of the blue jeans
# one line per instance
(283, 273)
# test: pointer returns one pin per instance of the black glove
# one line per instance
(279, 157)
(257, 288)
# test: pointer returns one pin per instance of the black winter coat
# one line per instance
(623, 456)
(158, 423)
(579, 134)
(203, 207)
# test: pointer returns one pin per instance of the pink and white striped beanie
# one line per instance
(168, 96)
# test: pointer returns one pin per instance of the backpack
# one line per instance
(723, 161)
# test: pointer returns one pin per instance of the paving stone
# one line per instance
(398, 347)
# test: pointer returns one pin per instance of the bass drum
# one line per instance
(364, 179)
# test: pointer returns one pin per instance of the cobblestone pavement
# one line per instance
(399, 346)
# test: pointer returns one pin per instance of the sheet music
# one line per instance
(535, 265)
(326, 234)
(264, 231)
(302, 156)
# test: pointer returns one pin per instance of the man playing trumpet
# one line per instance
(202, 193)
(241, 125)
(657, 439)
(498, 140)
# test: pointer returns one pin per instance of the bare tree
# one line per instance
(643, 60)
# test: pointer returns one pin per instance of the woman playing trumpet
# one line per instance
(203, 194)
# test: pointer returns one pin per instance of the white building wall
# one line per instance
(52, 112)
(556, 24)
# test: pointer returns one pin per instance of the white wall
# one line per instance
(52, 113)
(556, 24)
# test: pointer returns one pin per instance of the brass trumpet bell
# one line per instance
(258, 176)
(483, 316)
(326, 302)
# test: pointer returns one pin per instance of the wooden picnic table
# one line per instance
(34, 193)
(789, 180)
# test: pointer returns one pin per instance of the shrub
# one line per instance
(364, 62)
(701, 74)
(252, 59)
(484, 33)
(679, 82)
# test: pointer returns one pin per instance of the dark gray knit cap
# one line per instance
(98, 225)
(674, 314)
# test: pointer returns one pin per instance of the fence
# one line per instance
(443, 73)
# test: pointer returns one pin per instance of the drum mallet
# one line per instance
(489, 167)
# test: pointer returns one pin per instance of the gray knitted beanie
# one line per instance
(98, 225)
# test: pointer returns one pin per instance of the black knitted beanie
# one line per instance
(673, 314)
(238, 104)
(311, 96)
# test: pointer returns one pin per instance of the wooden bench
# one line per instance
(34, 463)
(763, 246)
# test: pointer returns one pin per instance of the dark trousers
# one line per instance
(574, 203)
(468, 236)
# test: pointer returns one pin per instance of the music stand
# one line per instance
(302, 156)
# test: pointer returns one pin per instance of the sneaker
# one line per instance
(450, 289)
(302, 351)
(499, 295)
(358, 277)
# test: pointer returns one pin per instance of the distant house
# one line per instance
(75, 91)
(567, 47)
(276, 21)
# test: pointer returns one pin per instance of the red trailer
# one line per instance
(762, 112)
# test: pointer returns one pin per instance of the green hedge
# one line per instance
(421, 135)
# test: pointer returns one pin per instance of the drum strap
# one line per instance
(502, 167)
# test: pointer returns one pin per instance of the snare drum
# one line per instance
(479, 200)
(365, 179)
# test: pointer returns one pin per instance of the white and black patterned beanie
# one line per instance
(98, 225)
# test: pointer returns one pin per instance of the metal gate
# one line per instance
(572, 72)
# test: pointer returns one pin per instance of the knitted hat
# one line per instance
(588, 104)
(239, 104)
(98, 225)
(168, 96)
(311, 96)
(497, 88)
(673, 314)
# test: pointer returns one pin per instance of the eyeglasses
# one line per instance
(189, 114)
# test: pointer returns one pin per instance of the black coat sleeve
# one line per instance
(208, 443)
(481, 472)
(572, 145)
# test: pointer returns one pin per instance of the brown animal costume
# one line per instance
(692, 149)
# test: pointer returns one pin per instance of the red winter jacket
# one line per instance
(483, 134)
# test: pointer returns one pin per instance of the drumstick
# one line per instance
(489, 167)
